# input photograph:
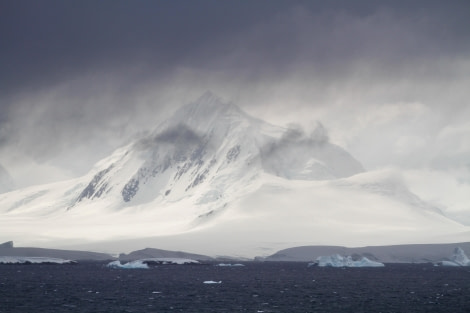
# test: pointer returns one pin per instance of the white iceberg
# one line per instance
(33, 260)
(212, 282)
(165, 261)
(448, 263)
(459, 258)
(337, 260)
(144, 263)
(129, 265)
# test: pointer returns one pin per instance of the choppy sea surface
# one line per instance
(255, 287)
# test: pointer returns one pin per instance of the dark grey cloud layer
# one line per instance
(79, 77)
(45, 42)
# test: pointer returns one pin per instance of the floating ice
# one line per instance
(33, 260)
(337, 260)
(212, 282)
(144, 263)
(165, 261)
(228, 264)
(130, 265)
(459, 258)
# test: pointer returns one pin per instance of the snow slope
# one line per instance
(213, 180)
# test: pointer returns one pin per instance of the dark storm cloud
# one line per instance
(45, 42)
(80, 76)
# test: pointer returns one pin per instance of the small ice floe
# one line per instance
(212, 282)
(33, 260)
(337, 260)
(229, 265)
(459, 258)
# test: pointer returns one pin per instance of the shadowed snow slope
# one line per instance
(212, 179)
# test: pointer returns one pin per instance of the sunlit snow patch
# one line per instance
(33, 260)
(337, 260)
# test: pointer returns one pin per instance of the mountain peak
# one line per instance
(208, 104)
(208, 97)
(210, 101)
(206, 110)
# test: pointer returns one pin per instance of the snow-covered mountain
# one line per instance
(6, 182)
(214, 180)
(211, 150)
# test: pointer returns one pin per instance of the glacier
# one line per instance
(214, 180)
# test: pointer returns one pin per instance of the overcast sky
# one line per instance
(390, 80)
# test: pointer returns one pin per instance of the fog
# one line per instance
(388, 80)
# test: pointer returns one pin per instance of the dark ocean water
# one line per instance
(256, 287)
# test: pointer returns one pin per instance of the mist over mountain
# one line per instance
(212, 179)
(208, 147)
(6, 181)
